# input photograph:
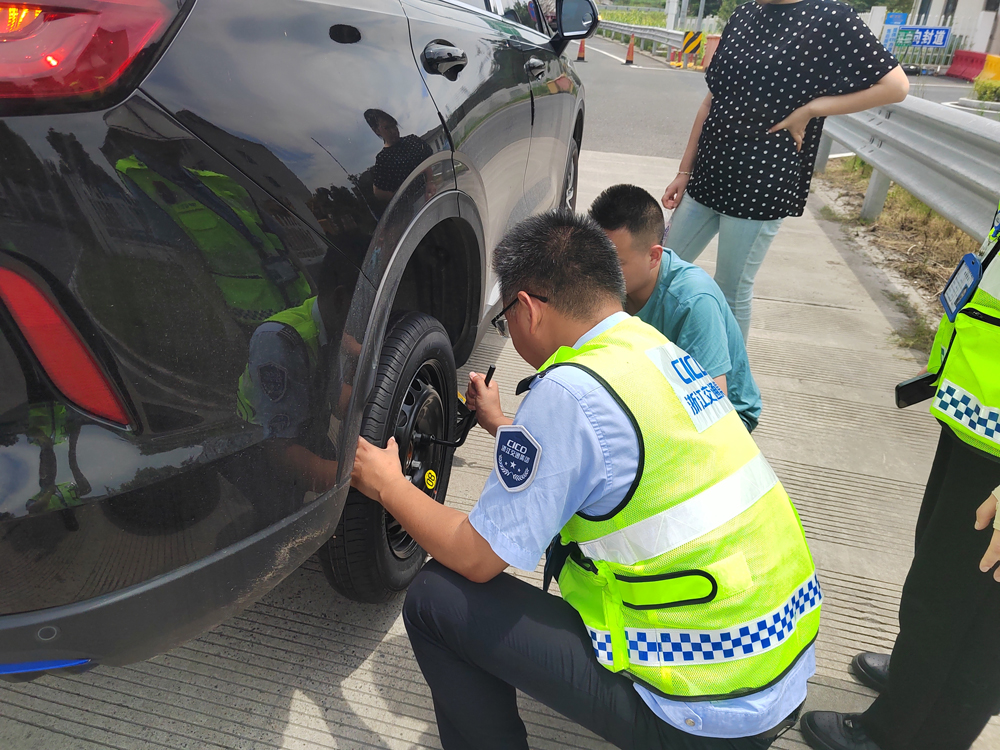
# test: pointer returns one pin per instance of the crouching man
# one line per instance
(689, 597)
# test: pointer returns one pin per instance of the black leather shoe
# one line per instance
(826, 730)
(871, 670)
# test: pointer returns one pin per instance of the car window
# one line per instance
(528, 13)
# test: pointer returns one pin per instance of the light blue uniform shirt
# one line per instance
(688, 308)
(588, 460)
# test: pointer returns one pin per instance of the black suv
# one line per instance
(233, 237)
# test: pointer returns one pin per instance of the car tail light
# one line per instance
(59, 348)
(58, 50)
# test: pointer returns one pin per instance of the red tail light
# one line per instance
(59, 348)
(50, 51)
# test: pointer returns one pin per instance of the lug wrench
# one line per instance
(465, 423)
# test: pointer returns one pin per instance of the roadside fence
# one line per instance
(671, 38)
(946, 158)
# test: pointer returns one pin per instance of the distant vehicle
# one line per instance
(233, 237)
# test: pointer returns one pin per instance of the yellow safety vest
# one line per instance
(966, 357)
(247, 262)
(700, 585)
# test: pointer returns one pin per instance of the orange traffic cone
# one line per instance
(630, 55)
(580, 56)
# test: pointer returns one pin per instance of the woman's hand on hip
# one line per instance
(984, 515)
(795, 124)
(675, 191)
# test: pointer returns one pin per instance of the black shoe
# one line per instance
(871, 670)
(826, 730)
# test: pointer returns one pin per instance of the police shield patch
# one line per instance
(517, 456)
(273, 380)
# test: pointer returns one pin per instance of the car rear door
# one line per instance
(554, 89)
(486, 108)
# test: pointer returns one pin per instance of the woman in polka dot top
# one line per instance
(781, 68)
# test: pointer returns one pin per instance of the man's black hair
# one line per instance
(632, 208)
(563, 256)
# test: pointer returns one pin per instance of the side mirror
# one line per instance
(576, 19)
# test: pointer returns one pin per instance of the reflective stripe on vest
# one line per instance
(665, 647)
(962, 406)
(689, 520)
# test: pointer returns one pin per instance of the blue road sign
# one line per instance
(922, 36)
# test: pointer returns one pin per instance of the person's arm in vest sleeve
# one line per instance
(280, 375)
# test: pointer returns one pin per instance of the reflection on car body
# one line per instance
(268, 235)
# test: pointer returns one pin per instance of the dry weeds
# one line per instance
(919, 243)
(909, 238)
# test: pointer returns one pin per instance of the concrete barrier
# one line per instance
(967, 65)
(991, 70)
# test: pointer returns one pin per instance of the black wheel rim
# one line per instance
(423, 412)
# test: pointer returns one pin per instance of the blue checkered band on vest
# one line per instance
(966, 409)
(665, 647)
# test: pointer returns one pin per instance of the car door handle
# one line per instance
(444, 59)
(535, 67)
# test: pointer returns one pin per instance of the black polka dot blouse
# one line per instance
(771, 60)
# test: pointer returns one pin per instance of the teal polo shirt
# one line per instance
(688, 308)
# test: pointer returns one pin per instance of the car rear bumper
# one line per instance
(159, 614)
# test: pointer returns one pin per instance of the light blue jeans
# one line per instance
(743, 243)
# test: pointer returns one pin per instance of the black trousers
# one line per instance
(944, 674)
(477, 643)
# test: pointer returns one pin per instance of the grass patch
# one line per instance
(917, 333)
(828, 214)
(920, 243)
(987, 90)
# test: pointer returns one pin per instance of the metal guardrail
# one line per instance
(946, 158)
(670, 37)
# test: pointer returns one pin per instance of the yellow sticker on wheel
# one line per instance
(430, 479)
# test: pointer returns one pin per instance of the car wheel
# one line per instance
(370, 556)
(572, 176)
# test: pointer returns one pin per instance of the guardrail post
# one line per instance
(875, 195)
(823, 155)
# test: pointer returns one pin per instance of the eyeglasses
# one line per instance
(500, 321)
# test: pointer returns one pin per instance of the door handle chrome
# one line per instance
(441, 58)
(535, 67)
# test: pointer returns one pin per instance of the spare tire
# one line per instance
(370, 557)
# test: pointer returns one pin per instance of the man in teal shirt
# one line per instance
(676, 297)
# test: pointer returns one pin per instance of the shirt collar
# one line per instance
(608, 323)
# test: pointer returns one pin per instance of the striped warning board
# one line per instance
(693, 41)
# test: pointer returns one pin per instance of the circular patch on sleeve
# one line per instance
(516, 457)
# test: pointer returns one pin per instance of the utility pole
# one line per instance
(701, 14)
(671, 12)
(684, 15)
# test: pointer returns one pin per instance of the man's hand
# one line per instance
(444, 532)
(984, 516)
(485, 401)
(675, 191)
(376, 469)
(795, 124)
